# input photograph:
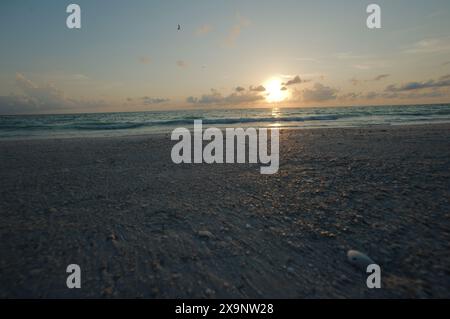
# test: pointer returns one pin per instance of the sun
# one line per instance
(275, 91)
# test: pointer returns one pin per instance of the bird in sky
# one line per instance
(179, 27)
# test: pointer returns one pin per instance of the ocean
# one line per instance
(151, 122)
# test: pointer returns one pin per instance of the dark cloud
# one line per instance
(283, 88)
(408, 95)
(350, 96)
(259, 88)
(381, 77)
(319, 93)
(435, 93)
(242, 98)
(213, 98)
(371, 95)
(295, 80)
(432, 94)
(191, 100)
(239, 89)
(151, 100)
(444, 81)
(216, 97)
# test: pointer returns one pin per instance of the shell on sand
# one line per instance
(359, 259)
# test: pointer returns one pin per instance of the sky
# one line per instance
(129, 55)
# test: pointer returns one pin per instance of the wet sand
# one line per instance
(141, 226)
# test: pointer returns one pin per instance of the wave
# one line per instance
(105, 126)
(190, 121)
(259, 119)
(136, 121)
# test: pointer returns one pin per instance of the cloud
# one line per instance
(430, 45)
(212, 98)
(319, 93)
(239, 89)
(380, 77)
(48, 97)
(203, 30)
(17, 104)
(432, 94)
(350, 96)
(386, 95)
(146, 100)
(182, 64)
(259, 88)
(79, 77)
(215, 97)
(144, 60)
(236, 30)
(192, 100)
(151, 100)
(350, 56)
(362, 96)
(295, 80)
(283, 88)
(36, 98)
(371, 95)
(435, 93)
(444, 81)
(243, 98)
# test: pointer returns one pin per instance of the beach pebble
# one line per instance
(112, 237)
(359, 259)
(327, 234)
(209, 292)
(205, 234)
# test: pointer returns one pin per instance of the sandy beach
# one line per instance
(140, 226)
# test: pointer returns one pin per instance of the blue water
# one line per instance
(137, 123)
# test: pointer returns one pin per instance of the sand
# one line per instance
(140, 226)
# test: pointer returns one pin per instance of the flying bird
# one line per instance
(179, 27)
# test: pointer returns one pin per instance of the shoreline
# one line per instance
(140, 226)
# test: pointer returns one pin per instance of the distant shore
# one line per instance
(140, 226)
